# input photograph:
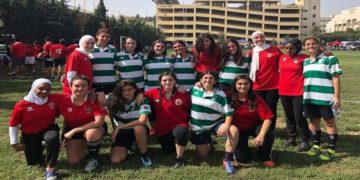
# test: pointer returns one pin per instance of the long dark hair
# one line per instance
(118, 101)
(180, 42)
(138, 45)
(225, 56)
(152, 53)
(250, 94)
(167, 73)
(199, 44)
(213, 73)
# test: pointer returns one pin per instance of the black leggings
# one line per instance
(178, 135)
(243, 154)
(33, 146)
(295, 120)
(271, 97)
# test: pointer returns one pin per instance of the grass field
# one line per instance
(291, 165)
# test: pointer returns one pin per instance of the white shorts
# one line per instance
(30, 60)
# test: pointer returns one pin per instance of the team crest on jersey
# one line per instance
(296, 60)
(178, 102)
(284, 59)
(270, 55)
(69, 110)
(51, 105)
(88, 110)
(157, 100)
(29, 109)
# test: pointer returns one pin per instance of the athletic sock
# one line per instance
(316, 137)
(332, 141)
(228, 156)
(93, 148)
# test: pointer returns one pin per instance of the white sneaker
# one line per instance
(91, 165)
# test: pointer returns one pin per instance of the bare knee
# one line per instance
(93, 135)
(140, 130)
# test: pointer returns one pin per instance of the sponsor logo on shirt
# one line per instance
(69, 110)
(178, 102)
(51, 105)
(29, 109)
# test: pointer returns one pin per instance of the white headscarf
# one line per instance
(255, 63)
(82, 42)
(31, 97)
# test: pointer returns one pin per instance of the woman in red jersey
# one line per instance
(171, 111)
(253, 118)
(84, 124)
(264, 71)
(291, 84)
(78, 63)
(35, 115)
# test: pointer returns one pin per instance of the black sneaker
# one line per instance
(290, 142)
(304, 146)
(179, 163)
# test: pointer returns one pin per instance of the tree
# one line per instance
(316, 31)
(100, 12)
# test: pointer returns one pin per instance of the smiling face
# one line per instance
(179, 48)
(207, 43)
(130, 45)
(79, 87)
(290, 49)
(208, 81)
(232, 48)
(128, 92)
(89, 45)
(312, 46)
(259, 39)
(42, 90)
(167, 82)
(159, 49)
(242, 86)
(103, 39)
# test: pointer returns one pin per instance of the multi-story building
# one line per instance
(346, 19)
(310, 15)
(233, 18)
(323, 23)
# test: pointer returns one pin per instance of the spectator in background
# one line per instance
(18, 54)
(58, 55)
(38, 50)
(49, 64)
(72, 47)
(30, 58)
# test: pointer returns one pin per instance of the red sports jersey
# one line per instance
(267, 77)
(57, 51)
(34, 118)
(77, 116)
(80, 63)
(38, 49)
(18, 50)
(243, 119)
(206, 61)
(169, 113)
(30, 50)
(46, 49)
(71, 48)
(291, 81)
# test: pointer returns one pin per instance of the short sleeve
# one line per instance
(16, 115)
(145, 107)
(263, 109)
(72, 64)
(228, 110)
(335, 68)
(98, 110)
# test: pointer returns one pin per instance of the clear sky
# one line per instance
(147, 7)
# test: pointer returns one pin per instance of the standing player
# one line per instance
(264, 71)
(156, 63)
(72, 47)
(58, 55)
(38, 50)
(49, 63)
(321, 95)
(291, 88)
(184, 63)
(18, 54)
(130, 62)
(30, 58)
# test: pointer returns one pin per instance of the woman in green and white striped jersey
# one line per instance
(131, 121)
(156, 63)
(184, 63)
(211, 114)
(130, 62)
(232, 64)
(321, 96)
(103, 59)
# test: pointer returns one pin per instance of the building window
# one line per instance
(313, 24)
(314, 15)
(304, 18)
(314, 7)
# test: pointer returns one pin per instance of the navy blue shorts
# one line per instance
(204, 137)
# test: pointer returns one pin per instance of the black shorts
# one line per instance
(204, 137)
(107, 88)
(49, 63)
(79, 135)
(126, 137)
(314, 111)
(59, 61)
(18, 61)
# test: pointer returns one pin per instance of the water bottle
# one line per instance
(336, 111)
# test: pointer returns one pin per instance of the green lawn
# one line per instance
(291, 165)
